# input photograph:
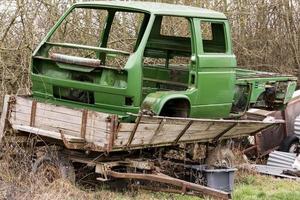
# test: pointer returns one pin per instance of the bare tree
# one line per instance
(265, 34)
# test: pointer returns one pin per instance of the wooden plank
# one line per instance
(148, 131)
(4, 115)
(158, 129)
(50, 134)
(132, 134)
(93, 119)
(38, 131)
(182, 132)
(223, 132)
(154, 120)
(56, 122)
(204, 131)
(90, 137)
(244, 129)
(27, 102)
(199, 131)
(169, 133)
(58, 125)
(126, 127)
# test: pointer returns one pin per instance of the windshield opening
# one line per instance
(104, 29)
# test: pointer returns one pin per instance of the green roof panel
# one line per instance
(156, 8)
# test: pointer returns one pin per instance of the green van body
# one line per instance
(210, 87)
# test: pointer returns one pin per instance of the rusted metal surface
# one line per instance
(75, 60)
(33, 113)
(134, 130)
(292, 111)
(113, 131)
(162, 178)
(271, 138)
(83, 123)
(106, 172)
(137, 164)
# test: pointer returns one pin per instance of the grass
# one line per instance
(253, 186)
(17, 182)
(247, 187)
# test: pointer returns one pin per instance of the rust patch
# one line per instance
(33, 113)
(83, 123)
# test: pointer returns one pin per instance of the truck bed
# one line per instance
(244, 74)
(90, 130)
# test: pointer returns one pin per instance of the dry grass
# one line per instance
(18, 182)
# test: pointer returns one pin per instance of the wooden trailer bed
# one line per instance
(90, 130)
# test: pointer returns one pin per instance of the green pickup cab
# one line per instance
(171, 60)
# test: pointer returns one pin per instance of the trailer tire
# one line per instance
(54, 168)
(289, 144)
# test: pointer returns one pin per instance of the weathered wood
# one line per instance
(158, 129)
(83, 123)
(37, 131)
(223, 132)
(95, 129)
(33, 113)
(67, 124)
(4, 116)
(132, 134)
(94, 119)
(91, 135)
(183, 132)
(112, 132)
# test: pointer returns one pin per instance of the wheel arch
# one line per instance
(157, 102)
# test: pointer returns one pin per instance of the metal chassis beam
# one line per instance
(162, 178)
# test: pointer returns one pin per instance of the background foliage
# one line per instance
(265, 34)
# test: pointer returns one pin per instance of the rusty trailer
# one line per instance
(102, 132)
(105, 142)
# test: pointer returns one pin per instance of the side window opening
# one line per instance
(213, 37)
(167, 55)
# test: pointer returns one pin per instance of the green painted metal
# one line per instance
(208, 84)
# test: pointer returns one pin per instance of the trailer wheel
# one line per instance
(54, 168)
(290, 144)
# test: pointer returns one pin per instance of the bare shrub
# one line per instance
(265, 34)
